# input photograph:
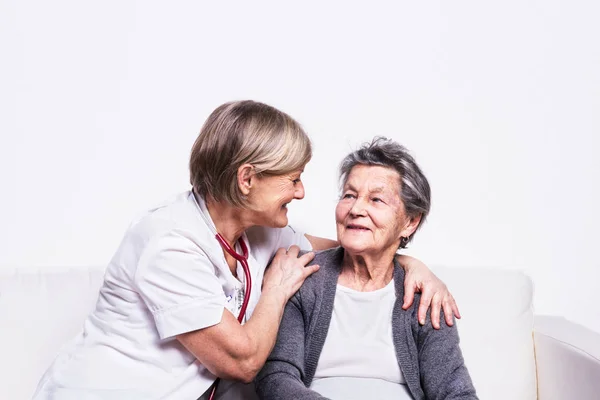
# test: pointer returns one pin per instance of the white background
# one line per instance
(100, 103)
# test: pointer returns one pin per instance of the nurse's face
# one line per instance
(270, 197)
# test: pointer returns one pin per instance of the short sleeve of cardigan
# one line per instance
(178, 284)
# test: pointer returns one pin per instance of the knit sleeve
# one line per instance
(443, 371)
(283, 373)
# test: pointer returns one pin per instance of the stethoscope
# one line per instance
(243, 259)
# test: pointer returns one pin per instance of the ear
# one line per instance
(245, 176)
(411, 226)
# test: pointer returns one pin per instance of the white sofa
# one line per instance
(510, 353)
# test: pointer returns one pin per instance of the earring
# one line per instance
(404, 241)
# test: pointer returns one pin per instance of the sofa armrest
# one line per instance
(567, 359)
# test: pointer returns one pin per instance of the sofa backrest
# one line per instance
(41, 310)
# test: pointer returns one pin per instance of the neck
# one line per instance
(365, 272)
(231, 222)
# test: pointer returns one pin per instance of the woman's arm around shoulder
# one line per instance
(419, 278)
(434, 292)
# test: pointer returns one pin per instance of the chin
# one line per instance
(282, 220)
(279, 222)
(352, 248)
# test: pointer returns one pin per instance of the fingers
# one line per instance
(293, 251)
(436, 305)
(306, 258)
(426, 297)
(456, 311)
(409, 294)
(448, 312)
(311, 269)
(280, 252)
(291, 270)
(450, 309)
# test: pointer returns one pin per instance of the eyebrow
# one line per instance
(378, 189)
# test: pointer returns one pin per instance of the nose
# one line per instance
(299, 192)
(358, 208)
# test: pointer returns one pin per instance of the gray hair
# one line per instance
(414, 187)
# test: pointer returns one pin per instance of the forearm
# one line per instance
(237, 352)
(259, 335)
(408, 262)
(261, 329)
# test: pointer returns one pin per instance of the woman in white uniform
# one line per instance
(177, 308)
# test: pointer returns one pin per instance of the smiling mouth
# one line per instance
(357, 228)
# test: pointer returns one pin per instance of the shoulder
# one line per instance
(176, 218)
(329, 262)
(426, 333)
(328, 258)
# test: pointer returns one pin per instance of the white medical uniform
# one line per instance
(169, 276)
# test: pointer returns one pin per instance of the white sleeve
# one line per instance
(289, 237)
(178, 284)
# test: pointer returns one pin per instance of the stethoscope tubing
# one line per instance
(243, 259)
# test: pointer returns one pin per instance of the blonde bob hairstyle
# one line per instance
(245, 132)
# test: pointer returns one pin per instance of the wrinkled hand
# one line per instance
(434, 292)
(287, 271)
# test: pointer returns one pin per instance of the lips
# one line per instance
(357, 227)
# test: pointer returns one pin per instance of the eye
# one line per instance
(377, 200)
(296, 181)
(348, 196)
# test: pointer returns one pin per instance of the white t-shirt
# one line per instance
(359, 356)
(169, 276)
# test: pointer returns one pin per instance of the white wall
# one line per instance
(499, 101)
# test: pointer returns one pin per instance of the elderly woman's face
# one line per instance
(370, 215)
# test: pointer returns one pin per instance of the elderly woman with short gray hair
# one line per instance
(344, 334)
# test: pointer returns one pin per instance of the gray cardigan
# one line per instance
(430, 359)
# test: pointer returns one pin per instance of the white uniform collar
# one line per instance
(209, 222)
(204, 212)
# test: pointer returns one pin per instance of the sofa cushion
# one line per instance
(39, 313)
(495, 330)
